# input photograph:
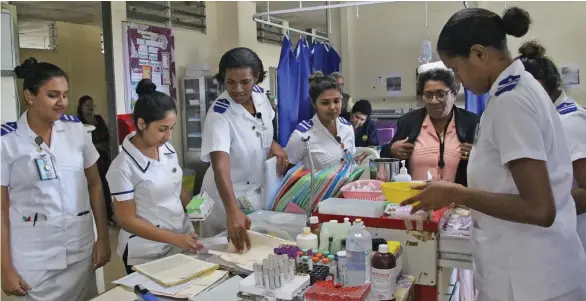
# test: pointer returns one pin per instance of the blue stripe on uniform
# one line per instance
(507, 84)
(122, 192)
(221, 106)
(566, 107)
(304, 126)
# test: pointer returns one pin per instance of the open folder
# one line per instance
(174, 270)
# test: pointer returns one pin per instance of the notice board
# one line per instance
(149, 53)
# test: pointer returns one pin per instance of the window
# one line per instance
(181, 14)
(267, 33)
(37, 35)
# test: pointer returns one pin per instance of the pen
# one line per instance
(35, 219)
(144, 294)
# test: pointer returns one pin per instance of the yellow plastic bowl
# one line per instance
(396, 192)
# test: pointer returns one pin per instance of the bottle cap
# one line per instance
(325, 260)
(304, 258)
(403, 169)
(334, 221)
(315, 259)
(325, 253)
(306, 230)
(383, 249)
(394, 246)
(341, 254)
(346, 220)
(331, 257)
(314, 220)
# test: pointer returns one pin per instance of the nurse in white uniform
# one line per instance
(525, 244)
(237, 140)
(51, 195)
(573, 118)
(145, 181)
(331, 137)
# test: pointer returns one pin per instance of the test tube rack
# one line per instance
(318, 273)
(275, 279)
(288, 291)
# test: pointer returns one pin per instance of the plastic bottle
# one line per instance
(403, 175)
(342, 268)
(334, 268)
(383, 282)
(358, 249)
(306, 240)
(314, 225)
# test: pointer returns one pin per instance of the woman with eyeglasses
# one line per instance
(436, 138)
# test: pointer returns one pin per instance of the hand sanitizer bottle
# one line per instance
(403, 176)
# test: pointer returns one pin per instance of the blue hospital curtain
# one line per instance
(332, 60)
(475, 103)
(318, 53)
(287, 92)
(303, 57)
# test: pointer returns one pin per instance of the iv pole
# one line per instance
(311, 192)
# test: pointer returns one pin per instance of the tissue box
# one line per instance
(200, 207)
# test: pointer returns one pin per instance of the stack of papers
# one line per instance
(184, 290)
(261, 246)
(174, 270)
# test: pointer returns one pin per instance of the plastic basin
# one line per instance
(397, 192)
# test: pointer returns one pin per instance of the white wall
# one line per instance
(229, 25)
(387, 38)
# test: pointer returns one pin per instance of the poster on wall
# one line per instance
(570, 75)
(149, 52)
(394, 84)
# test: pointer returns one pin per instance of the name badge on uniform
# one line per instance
(45, 168)
(266, 138)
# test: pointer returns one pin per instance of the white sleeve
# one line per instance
(575, 129)
(517, 132)
(216, 135)
(295, 148)
(90, 154)
(120, 182)
(5, 169)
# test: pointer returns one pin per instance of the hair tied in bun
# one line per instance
(145, 87)
(315, 76)
(532, 50)
(27, 69)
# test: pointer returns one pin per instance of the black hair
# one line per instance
(241, 57)
(472, 26)
(318, 83)
(80, 103)
(36, 74)
(151, 105)
(541, 67)
(362, 106)
(437, 74)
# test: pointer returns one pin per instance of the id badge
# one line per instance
(266, 138)
(45, 168)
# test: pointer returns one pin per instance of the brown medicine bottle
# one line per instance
(381, 275)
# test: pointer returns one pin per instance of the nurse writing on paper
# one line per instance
(146, 185)
(237, 140)
(573, 118)
(525, 245)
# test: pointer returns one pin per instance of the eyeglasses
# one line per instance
(440, 95)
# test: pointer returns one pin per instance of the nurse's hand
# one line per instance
(466, 148)
(12, 283)
(238, 225)
(188, 242)
(402, 149)
(434, 195)
(101, 253)
(282, 158)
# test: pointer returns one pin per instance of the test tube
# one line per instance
(271, 273)
(257, 274)
(310, 264)
(282, 272)
(292, 269)
(265, 276)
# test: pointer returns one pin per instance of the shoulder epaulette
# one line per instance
(567, 107)
(69, 118)
(344, 120)
(507, 84)
(304, 126)
(221, 106)
(8, 127)
(258, 89)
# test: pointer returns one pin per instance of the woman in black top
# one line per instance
(101, 139)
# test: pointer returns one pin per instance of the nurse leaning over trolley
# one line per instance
(525, 245)
(51, 194)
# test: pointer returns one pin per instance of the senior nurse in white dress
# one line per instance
(51, 193)
(525, 245)
(145, 183)
(573, 118)
(331, 137)
(237, 140)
